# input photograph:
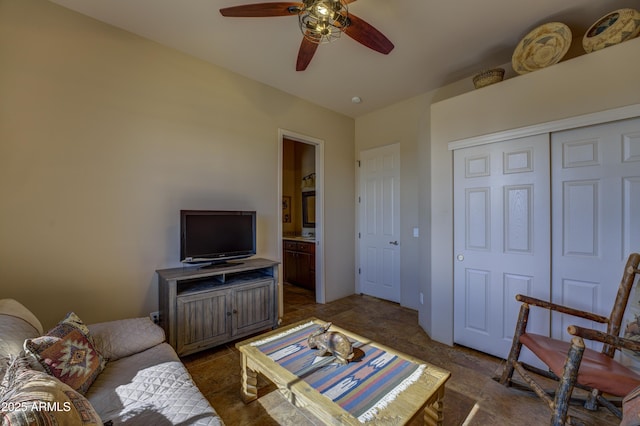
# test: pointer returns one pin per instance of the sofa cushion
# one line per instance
(150, 387)
(17, 323)
(118, 339)
(68, 353)
(14, 308)
(30, 397)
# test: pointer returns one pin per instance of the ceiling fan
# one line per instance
(320, 21)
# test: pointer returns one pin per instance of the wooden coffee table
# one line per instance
(423, 395)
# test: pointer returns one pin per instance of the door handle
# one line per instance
(460, 257)
(395, 243)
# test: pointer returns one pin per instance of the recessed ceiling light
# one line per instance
(356, 100)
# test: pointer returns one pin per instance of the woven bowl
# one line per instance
(613, 28)
(485, 78)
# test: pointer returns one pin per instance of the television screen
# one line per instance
(216, 235)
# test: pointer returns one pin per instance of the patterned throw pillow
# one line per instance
(68, 353)
(29, 397)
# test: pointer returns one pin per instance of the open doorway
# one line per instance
(301, 248)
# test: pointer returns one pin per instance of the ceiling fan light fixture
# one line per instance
(322, 21)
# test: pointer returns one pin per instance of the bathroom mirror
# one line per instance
(309, 209)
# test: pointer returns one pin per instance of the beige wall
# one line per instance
(105, 136)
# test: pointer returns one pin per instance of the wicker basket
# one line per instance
(613, 28)
(488, 77)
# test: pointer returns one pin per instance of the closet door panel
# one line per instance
(501, 215)
(630, 213)
(595, 216)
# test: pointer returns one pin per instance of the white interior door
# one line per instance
(501, 241)
(596, 216)
(379, 218)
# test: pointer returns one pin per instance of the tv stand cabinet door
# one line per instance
(254, 307)
(203, 320)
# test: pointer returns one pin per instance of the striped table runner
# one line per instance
(361, 388)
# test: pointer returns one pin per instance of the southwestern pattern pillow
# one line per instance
(67, 352)
(30, 397)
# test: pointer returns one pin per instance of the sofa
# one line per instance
(112, 373)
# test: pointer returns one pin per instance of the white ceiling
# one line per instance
(436, 43)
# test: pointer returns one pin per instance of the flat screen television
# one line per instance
(216, 236)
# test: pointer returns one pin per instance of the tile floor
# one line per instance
(472, 396)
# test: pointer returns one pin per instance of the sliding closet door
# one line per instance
(501, 241)
(595, 215)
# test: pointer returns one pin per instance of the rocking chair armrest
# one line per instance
(609, 339)
(562, 309)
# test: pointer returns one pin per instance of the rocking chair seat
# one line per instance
(597, 370)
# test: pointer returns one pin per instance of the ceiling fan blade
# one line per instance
(305, 54)
(366, 34)
(262, 10)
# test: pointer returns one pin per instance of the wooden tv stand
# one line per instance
(205, 307)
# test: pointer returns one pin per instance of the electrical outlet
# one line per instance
(155, 317)
(421, 298)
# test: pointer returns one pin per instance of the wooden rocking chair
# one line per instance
(569, 362)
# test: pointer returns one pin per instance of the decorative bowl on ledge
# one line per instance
(541, 47)
(485, 78)
(613, 28)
